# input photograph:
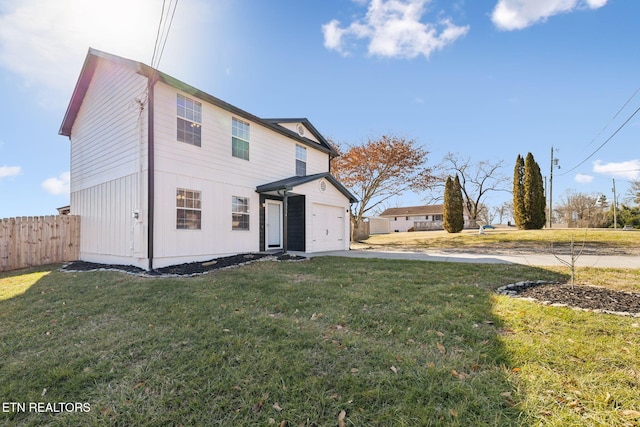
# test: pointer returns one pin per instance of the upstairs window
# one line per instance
(189, 210)
(189, 121)
(301, 160)
(239, 139)
(239, 213)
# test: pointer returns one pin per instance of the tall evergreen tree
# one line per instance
(453, 217)
(518, 193)
(534, 199)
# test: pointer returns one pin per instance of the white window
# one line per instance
(189, 210)
(239, 213)
(239, 139)
(301, 160)
(189, 121)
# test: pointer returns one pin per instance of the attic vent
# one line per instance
(300, 130)
(323, 186)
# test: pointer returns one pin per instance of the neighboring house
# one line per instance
(428, 217)
(163, 173)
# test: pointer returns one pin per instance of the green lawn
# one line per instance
(402, 343)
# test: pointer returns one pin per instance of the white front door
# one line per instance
(273, 224)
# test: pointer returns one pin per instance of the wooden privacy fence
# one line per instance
(32, 241)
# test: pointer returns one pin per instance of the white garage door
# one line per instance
(328, 227)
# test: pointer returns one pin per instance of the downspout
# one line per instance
(151, 170)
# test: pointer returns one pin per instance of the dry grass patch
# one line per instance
(599, 241)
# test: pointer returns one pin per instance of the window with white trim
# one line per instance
(239, 213)
(301, 160)
(239, 139)
(189, 121)
(189, 209)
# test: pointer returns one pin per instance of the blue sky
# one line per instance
(486, 79)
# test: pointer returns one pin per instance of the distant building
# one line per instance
(418, 218)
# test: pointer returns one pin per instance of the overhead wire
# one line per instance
(162, 35)
(604, 143)
(155, 45)
(613, 118)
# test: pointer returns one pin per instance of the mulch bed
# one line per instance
(187, 269)
(584, 297)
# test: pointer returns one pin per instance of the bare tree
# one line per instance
(504, 211)
(379, 170)
(574, 254)
(634, 191)
(477, 179)
(582, 210)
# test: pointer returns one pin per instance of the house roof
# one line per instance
(89, 67)
(414, 210)
(294, 181)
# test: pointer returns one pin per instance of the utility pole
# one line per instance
(554, 162)
(615, 202)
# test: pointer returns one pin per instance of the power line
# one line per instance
(603, 144)
(162, 34)
(155, 45)
(613, 118)
(165, 33)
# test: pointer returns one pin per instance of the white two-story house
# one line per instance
(163, 173)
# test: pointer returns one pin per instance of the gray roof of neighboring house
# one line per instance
(414, 210)
(89, 68)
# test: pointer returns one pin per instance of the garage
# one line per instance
(315, 214)
(328, 227)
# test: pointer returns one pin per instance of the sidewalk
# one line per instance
(613, 261)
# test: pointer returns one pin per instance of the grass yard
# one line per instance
(325, 342)
(502, 238)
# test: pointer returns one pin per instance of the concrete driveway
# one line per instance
(613, 261)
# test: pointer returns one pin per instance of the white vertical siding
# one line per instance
(108, 167)
(109, 233)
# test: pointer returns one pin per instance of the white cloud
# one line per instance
(583, 178)
(9, 171)
(59, 185)
(629, 169)
(394, 29)
(518, 14)
(45, 42)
